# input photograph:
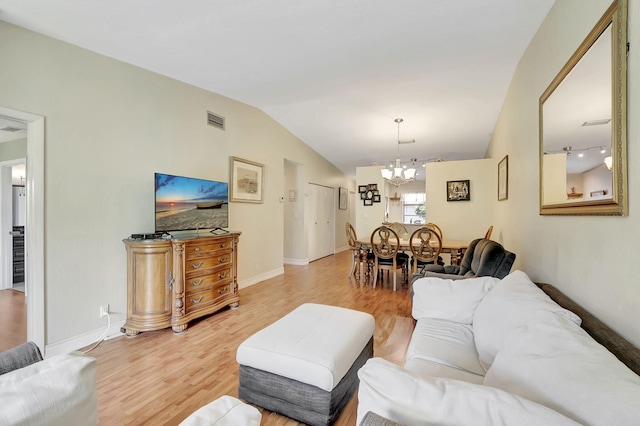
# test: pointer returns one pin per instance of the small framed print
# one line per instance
(458, 190)
(342, 198)
(376, 198)
(246, 182)
(362, 188)
(368, 201)
(503, 179)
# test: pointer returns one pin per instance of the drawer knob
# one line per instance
(194, 266)
(222, 245)
(223, 259)
(195, 301)
(221, 290)
(197, 283)
(196, 249)
(222, 275)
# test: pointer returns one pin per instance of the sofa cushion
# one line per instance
(60, 390)
(445, 342)
(453, 300)
(511, 303)
(427, 369)
(553, 361)
(396, 394)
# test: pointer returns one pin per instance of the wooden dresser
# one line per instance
(173, 281)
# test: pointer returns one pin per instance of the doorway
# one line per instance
(321, 229)
(34, 223)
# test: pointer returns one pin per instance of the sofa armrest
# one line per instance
(60, 390)
(19, 357)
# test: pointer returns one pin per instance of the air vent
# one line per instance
(215, 120)
(11, 129)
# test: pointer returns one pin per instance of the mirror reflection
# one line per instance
(583, 126)
(577, 130)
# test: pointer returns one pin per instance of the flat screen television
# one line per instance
(184, 203)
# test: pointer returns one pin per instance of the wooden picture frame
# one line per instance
(503, 179)
(343, 195)
(458, 190)
(246, 181)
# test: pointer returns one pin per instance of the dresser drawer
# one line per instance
(195, 283)
(202, 299)
(199, 264)
(206, 248)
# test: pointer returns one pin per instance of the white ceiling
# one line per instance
(335, 73)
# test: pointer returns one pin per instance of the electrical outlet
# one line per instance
(104, 310)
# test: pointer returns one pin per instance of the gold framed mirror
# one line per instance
(583, 132)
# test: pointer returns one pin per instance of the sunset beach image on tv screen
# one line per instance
(184, 203)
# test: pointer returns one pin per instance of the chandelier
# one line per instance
(396, 174)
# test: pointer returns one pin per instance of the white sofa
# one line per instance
(60, 390)
(492, 352)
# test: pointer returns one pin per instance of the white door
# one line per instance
(321, 229)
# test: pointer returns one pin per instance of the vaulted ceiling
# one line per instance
(334, 73)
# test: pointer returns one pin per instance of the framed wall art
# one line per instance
(246, 183)
(503, 178)
(458, 190)
(343, 195)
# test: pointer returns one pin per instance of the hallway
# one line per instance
(13, 319)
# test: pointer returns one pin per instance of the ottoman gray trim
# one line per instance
(300, 401)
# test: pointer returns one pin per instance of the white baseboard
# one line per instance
(259, 278)
(298, 262)
(341, 249)
(83, 340)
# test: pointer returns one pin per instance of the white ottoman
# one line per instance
(305, 364)
(224, 411)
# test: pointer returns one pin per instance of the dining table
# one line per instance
(455, 248)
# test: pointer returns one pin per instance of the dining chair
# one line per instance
(426, 245)
(436, 228)
(399, 228)
(359, 256)
(385, 244)
(487, 236)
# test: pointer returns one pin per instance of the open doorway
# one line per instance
(34, 220)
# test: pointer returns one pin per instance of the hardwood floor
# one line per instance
(160, 377)
(13, 318)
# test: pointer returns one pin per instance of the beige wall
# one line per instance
(109, 127)
(462, 220)
(592, 259)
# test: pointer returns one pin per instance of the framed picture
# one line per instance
(368, 201)
(503, 178)
(342, 198)
(376, 198)
(372, 187)
(246, 183)
(362, 188)
(458, 190)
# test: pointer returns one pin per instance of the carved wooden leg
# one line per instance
(177, 329)
(130, 332)
(234, 305)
